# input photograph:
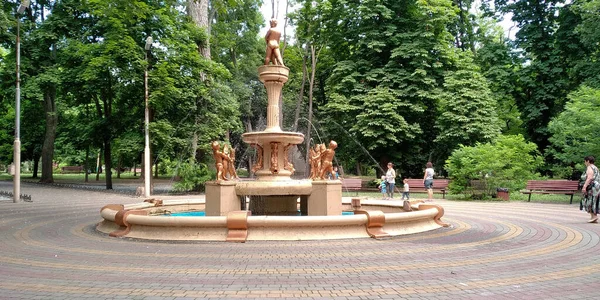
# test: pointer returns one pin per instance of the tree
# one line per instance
(544, 82)
(467, 111)
(574, 132)
(509, 161)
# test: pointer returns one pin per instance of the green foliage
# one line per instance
(576, 131)
(192, 176)
(508, 162)
(467, 111)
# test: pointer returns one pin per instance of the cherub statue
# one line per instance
(272, 37)
(327, 158)
(311, 162)
(221, 161)
(315, 158)
(231, 170)
(259, 159)
(274, 164)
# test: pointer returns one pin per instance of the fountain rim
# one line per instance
(140, 224)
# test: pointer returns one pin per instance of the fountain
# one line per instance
(274, 195)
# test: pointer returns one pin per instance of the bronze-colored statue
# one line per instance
(286, 163)
(221, 161)
(272, 37)
(315, 161)
(230, 152)
(259, 160)
(327, 158)
(274, 164)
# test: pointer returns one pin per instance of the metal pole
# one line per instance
(147, 169)
(17, 144)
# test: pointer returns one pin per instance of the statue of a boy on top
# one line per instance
(272, 37)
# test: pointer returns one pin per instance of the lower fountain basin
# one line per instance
(375, 218)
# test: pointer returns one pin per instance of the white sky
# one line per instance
(267, 11)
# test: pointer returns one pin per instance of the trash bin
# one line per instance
(502, 193)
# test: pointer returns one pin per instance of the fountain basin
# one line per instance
(141, 221)
(262, 137)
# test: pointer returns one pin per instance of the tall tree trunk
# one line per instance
(50, 136)
(87, 164)
(107, 163)
(155, 170)
(198, 12)
(300, 95)
(194, 145)
(107, 101)
(310, 100)
(99, 164)
(282, 52)
(119, 162)
(36, 164)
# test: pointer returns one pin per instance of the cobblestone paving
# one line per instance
(496, 250)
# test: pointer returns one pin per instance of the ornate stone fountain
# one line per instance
(274, 192)
(273, 195)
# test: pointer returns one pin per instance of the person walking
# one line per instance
(428, 180)
(591, 189)
(390, 179)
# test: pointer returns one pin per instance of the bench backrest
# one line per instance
(351, 183)
(72, 168)
(438, 184)
(553, 185)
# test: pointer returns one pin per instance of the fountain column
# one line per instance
(273, 77)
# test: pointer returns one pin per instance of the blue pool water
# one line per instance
(202, 214)
(189, 214)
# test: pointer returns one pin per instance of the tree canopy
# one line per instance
(406, 81)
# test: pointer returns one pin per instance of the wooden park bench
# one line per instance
(565, 187)
(72, 169)
(416, 185)
(351, 184)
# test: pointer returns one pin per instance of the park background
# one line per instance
(401, 81)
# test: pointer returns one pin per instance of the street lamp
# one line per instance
(17, 145)
(147, 169)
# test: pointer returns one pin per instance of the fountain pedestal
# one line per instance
(222, 198)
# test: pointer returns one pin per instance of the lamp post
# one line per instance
(147, 169)
(17, 145)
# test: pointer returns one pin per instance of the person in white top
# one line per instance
(428, 180)
(390, 179)
(406, 191)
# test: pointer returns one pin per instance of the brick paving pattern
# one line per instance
(493, 250)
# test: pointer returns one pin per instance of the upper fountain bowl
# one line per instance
(273, 73)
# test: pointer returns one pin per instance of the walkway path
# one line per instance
(49, 250)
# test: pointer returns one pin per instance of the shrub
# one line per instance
(192, 177)
(507, 162)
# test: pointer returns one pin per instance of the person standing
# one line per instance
(591, 189)
(428, 180)
(406, 190)
(390, 179)
(383, 187)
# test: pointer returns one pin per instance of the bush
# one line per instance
(507, 162)
(193, 176)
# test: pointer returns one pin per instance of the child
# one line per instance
(406, 191)
(383, 187)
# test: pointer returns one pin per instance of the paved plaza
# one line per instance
(493, 250)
